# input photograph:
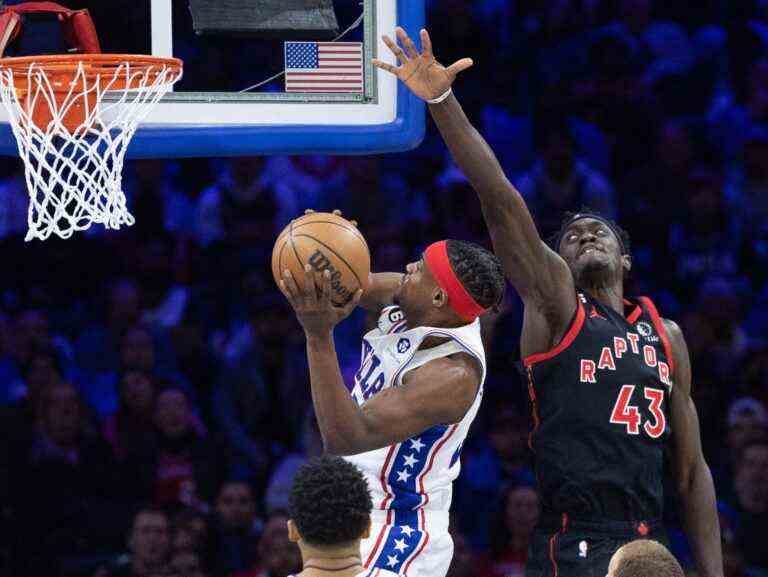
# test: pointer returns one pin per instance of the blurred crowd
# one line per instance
(154, 395)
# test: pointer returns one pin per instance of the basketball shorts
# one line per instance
(582, 549)
(409, 543)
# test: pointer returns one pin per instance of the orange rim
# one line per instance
(64, 66)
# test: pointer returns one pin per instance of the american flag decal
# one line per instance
(324, 67)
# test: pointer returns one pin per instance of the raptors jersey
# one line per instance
(410, 482)
(601, 414)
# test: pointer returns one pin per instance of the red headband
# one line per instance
(436, 258)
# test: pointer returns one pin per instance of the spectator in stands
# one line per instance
(511, 533)
(98, 347)
(501, 461)
(278, 556)
(751, 501)
(186, 462)
(560, 182)
(237, 528)
(187, 564)
(707, 245)
(240, 208)
(138, 352)
(652, 191)
(130, 431)
(149, 546)
(31, 337)
(464, 563)
(66, 489)
(310, 446)
(735, 114)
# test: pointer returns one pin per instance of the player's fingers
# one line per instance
(396, 50)
(337, 212)
(326, 283)
(284, 290)
(310, 288)
(292, 291)
(385, 66)
(426, 45)
(406, 41)
(309, 211)
(460, 66)
(353, 223)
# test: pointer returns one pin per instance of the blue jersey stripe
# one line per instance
(403, 539)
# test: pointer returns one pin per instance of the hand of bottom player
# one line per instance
(312, 301)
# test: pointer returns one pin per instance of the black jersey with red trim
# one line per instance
(600, 404)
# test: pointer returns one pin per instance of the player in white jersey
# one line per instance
(417, 391)
(330, 512)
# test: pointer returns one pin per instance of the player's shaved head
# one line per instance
(644, 558)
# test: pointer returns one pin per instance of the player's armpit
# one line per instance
(381, 290)
(437, 393)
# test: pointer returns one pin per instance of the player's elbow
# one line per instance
(342, 443)
(690, 475)
(337, 445)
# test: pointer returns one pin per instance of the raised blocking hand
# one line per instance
(420, 72)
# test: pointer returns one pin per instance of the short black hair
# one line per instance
(479, 270)
(330, 502)
(568, 217)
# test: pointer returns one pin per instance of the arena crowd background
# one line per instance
(158, 366)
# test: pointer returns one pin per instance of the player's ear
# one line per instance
(367, 533)
(293, 533)
(626, 262)
(439, 297)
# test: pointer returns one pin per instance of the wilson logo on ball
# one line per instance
(320, 263)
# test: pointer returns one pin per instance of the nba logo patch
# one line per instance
(646, 332)
(403, 345)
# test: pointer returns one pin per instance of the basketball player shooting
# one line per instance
(415, 395)
(609, 380)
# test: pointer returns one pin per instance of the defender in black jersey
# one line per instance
(609, 380)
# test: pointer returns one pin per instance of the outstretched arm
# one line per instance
(694, 480)
(539, 275)
(439, 392)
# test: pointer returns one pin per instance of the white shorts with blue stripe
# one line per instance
(411, 543)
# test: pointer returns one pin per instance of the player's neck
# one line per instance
(612, 297)
(342, 567)
(341, 562)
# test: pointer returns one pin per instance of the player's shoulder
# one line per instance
(676, 338)
(673, 329)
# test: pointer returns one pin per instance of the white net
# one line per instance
(74, 167)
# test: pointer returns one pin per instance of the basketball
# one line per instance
(327, 242)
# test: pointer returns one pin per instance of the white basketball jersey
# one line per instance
(415, 475)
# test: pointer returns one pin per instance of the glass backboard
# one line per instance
(232, 99)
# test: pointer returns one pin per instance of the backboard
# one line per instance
(211, 112)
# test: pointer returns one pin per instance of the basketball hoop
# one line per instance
(73, 117)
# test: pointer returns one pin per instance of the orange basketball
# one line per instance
(327, 242)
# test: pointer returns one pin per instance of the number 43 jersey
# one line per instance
(415, 475)
(600, 402)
